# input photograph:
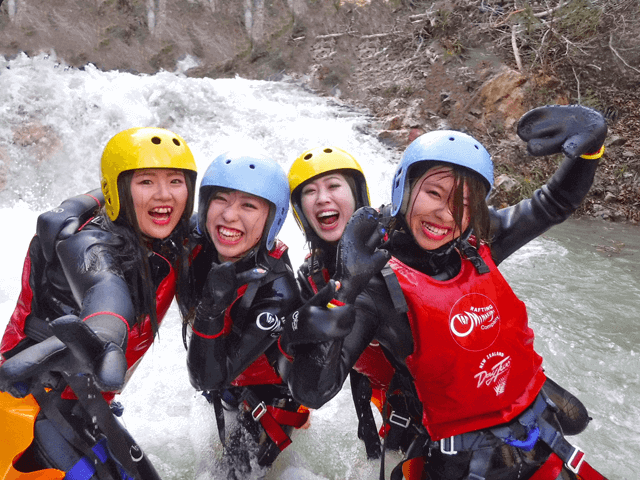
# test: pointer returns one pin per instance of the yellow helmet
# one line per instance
(137, 148)
(315, 163)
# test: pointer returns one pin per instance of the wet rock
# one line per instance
(615, 141)
(505, 182)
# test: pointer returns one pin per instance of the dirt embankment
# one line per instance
(416, 65)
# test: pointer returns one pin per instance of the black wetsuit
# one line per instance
(239, 367)
(377, 317)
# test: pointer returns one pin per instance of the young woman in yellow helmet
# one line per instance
(327, 186)
(91, 302)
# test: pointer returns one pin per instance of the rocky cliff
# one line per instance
(416, 65)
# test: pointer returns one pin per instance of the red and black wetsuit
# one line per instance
(378, 319)
(79, 273)
(238, 363)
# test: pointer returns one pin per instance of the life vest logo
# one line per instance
(474, 322)
(494, 370)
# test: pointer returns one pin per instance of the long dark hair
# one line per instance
(132, 252)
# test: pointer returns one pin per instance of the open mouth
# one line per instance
(229, 236)
(433, 231)
(161, 215)
(328, 218)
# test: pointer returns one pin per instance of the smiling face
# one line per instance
(235, 222)
(327, 204)
(431, 204)
(159, 198)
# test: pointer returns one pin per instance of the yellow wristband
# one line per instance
(594, 156)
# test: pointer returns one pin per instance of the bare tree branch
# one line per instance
(618, 55)
(578, 82)
(514, 45)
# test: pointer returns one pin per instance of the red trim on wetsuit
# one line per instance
(108, 313)
(14, 332)
(286, 355)
(228, 321)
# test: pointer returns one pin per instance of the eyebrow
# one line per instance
(154, 173)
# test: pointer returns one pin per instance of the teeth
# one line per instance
(229, 233)
(327, 214)
(435, 230)
(162, 210)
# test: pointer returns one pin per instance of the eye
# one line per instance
(250, 205)
(308, 191)
(333, 186)
(177, 181)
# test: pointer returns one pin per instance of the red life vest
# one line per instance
(260, 372)
(473, 362)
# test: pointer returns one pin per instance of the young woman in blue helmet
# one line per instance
(456, 330)
(92, 299)
(242, 283)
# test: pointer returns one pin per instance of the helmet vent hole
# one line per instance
(451, 138)
(156, 140)
(227, 162)
(477, 148)
(328, 150)
(308, 156)
(252, 166)
(176, 142)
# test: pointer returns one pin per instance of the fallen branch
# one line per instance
(507, 18)
(514, 45)
(578, 82)
(377, 35)
(551, 10)
(330, 35)
(618, 55)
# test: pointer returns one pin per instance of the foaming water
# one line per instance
(581, 284)
(580, 281)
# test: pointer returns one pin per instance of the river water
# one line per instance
(580, 281)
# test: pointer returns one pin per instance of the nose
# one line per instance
(444, 209)
(230, 212)
(323, 195)
(163, 190)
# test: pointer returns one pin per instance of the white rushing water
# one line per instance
(581, 284)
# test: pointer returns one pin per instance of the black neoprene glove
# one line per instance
(219, 292)
(75, 349)
(358, 258)
(316, 321)
(572, 129)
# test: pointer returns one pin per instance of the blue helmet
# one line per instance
(253, 173)
(442, 146)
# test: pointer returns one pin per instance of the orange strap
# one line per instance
(272, 419)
